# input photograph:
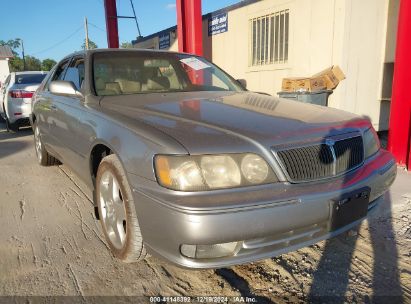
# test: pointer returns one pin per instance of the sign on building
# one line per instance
(164, 41)
(217, 24)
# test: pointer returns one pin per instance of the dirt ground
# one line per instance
(51, 245)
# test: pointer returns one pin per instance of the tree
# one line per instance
(126, 45)
(47, 64)
(91, 45)
(16, 64)
(14, 44)
(33, 63)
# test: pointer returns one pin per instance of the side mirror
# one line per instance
(243, 83)
(62, 87)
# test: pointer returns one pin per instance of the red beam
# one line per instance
(189, 26)
(111, 23)
(399, 142)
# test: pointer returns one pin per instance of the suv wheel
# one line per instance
(117, 212)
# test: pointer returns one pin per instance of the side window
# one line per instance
(46, 80)
(59, 72)
(75, 72)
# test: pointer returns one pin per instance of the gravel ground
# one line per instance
(51, 245)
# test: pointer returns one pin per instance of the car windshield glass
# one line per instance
(119, 73)
(30, 78)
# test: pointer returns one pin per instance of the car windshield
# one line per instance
(120, 73)
(30, 78)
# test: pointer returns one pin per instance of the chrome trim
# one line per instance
(324, 141)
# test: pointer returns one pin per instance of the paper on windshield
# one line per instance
(194, 63)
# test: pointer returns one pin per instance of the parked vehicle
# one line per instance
(186, 164)
(16, 94)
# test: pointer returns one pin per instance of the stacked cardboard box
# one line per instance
(324, 80)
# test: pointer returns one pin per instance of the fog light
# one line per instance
(210, 251)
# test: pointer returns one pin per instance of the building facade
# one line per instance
(266, 41)
(5, 55)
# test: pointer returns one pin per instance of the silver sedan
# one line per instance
(188, 165)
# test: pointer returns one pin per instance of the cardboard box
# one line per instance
(332, 75)
(311, 84)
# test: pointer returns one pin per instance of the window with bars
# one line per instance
(269, 38)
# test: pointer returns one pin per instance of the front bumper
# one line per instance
(269, 220)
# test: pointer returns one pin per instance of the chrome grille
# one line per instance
(322, 160)
(349, 153)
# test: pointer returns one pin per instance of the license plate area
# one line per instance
(349, 208)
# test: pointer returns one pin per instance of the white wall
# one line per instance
(4, 69)
(360, 51)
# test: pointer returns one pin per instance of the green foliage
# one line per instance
(33, 63)
(16, 64)
(14, 44)
(47, 64)
(91, 45)
(126, 45)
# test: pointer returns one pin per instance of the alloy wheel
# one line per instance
(113, 210)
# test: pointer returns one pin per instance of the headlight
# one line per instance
(371, 142)
(220, 171)
(198, 173)
(254, 168)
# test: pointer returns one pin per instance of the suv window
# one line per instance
(75, 72)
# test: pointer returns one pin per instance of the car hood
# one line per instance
(210, 122)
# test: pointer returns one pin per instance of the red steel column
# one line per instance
(399, 141)
(111, 23)
(189, 26)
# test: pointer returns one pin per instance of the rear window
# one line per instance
(30, 78)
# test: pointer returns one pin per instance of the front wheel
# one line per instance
(117, 211)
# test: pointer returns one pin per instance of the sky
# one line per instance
(55, 28)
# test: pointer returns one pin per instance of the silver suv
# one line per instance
(16, 93)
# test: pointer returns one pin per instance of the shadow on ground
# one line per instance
(335, 269)
(10, 143)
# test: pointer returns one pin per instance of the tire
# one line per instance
(43, 157)
(11, 127)
(117, 212)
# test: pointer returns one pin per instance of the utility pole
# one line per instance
(22, 53)
(86, 30)
(135, 18)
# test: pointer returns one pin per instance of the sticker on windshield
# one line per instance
(194, 63)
